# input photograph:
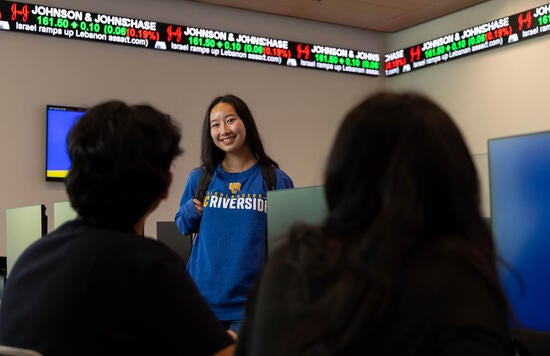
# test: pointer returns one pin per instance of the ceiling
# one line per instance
(376, 15)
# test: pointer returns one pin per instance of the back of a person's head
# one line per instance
(120, 161)
(400, 159)
(399, 178)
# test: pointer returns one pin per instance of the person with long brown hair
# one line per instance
(403, 264)
(224, 203)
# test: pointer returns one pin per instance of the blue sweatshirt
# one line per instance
(230, 247)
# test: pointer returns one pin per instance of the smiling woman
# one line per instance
(224, 203)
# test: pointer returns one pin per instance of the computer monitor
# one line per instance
(285, 207)
(168, 233)
(519, 182)
(24, 225)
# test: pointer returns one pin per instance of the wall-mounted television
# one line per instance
(519, 184)
(59, 120)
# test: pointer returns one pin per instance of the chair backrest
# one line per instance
(17, 351)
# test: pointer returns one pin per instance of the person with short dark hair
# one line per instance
(96, 285)
(228, 211)
(403, 264)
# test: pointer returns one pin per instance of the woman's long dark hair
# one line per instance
(211, 155)
(399, 178)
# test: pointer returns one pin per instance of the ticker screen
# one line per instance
(492, 34)
(111, 29)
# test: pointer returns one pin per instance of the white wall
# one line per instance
(297, 110)
(498, 93)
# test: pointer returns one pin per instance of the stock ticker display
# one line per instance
(492, 34)
(83, 25)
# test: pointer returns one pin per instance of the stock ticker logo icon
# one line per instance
(302, 50)
(524, 21)
(234, 187)
(414, 54)
(24, 12)
(4, 25)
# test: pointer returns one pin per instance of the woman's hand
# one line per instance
(198, 206)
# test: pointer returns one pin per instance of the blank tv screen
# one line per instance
(59, 120)
(519, 175)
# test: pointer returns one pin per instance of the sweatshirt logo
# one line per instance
(234, 187)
